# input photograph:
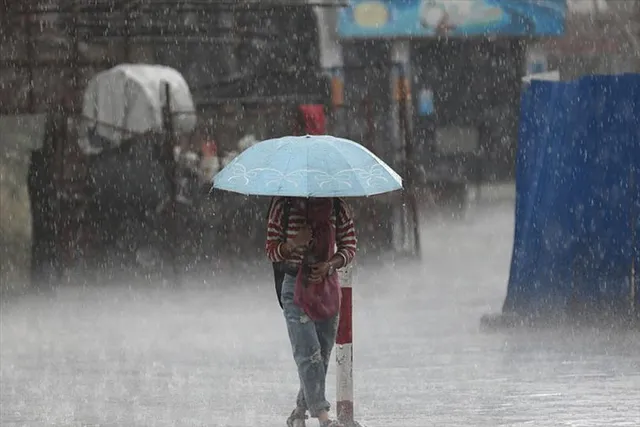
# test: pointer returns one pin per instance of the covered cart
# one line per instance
(142, 178)
(128, 100)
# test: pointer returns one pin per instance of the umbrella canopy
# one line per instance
(308, 166)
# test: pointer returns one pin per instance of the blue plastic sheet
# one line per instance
(577, 196)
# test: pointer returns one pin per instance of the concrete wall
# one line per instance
(19, 135)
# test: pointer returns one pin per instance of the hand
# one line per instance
(299, 250)
(303, 238)
(319, 272)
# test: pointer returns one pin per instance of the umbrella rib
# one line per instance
(378, 161)
(339, 148)
(281, 185)
(282, 178)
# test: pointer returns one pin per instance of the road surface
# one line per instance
(215, 353)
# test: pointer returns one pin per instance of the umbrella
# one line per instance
(308, 166)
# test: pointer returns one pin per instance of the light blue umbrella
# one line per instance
(308, 166)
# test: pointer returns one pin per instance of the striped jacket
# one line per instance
(346, 241)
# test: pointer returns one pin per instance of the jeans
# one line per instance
(312, 343)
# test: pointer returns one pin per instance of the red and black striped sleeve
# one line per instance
(346, 239)
(274, 230)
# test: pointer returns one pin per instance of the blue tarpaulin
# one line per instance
(577, 196)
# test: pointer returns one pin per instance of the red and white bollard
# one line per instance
(344, 353)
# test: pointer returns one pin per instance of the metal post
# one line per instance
(337, 102)
(170, 168)
(344, 352)
(59, 143)
(410, 216)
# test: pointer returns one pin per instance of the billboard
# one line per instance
(454, 18)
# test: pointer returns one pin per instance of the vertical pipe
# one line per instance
(4, 18)
(170, 167)
(337, 88)
(75, 58)
(344, 351)
(60, 135)
(371, 126)
(337, 102)
(409, 161)
(69, 227)
(31, 59)
(128, 17)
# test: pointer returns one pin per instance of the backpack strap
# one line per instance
(278, 272)
(337, 209)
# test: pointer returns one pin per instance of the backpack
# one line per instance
(278, 267)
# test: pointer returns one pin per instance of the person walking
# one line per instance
(308, 240)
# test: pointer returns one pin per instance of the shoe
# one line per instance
(297, 419)
(330, 423)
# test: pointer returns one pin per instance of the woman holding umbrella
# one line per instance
(312, 238)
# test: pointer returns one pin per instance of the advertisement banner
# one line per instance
(453, 18)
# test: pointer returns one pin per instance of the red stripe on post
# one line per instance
(345, 333)
(345, 411)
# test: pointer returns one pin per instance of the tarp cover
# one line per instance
(577, 196)
(128, 99)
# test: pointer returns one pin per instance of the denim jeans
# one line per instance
(312, 343)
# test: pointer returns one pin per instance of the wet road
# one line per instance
(216, 352)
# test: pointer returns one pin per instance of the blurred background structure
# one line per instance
(440, 107)
(451, 93)
(246, 69)
(602, 37)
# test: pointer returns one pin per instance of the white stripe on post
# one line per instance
(344, 358)
(344, 351)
